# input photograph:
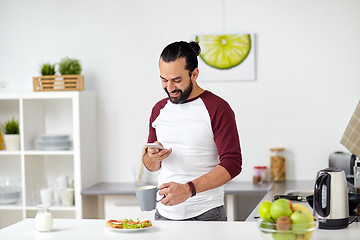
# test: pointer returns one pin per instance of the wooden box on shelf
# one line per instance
(59, 83)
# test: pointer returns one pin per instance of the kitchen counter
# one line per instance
(124, 194)
(234, 188)
(178, 230)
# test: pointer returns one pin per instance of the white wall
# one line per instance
(308, 74)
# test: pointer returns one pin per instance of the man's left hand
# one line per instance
(175, 193)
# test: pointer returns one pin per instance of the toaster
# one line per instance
(345, 162)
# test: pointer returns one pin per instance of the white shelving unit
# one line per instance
(40, 113)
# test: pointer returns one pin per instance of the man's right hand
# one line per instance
(154, 157)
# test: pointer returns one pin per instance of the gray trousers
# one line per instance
(215, 214)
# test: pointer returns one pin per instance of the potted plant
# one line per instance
(70, 66)
(48, 69)
(11, 135)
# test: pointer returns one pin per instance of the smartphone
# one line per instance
(154, 145)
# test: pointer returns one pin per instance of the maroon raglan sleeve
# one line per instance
(154, 114)
(226, 136)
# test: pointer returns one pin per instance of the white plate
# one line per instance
(126, 229)
(53, 145)
(53, 148)
(54, 137)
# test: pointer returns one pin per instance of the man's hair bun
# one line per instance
(196, 47)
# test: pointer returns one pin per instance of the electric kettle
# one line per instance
(331, 204)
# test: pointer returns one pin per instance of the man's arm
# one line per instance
(215, 178)
(177, 193)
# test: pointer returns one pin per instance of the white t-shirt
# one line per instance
(202, 134)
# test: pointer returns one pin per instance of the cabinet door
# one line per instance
(125, 206)
(10, 216)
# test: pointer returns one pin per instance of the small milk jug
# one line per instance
(43, 219)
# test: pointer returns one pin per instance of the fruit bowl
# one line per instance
(297, 231)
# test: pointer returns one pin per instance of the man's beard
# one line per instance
(183, 95)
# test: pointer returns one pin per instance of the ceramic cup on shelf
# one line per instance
(46, 196)
(67, 196)
(62, 181)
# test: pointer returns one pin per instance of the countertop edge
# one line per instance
(118, 188)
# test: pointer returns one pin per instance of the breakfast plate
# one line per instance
(127, 225)
(127, 229)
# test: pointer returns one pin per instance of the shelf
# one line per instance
(36, 152)
(42, 152)
(54, 208)
(7, 153)
(10, 207)
(49, 113)
(42, 95)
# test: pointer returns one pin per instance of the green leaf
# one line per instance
(47, 69)
(10, 127)
(68, 66)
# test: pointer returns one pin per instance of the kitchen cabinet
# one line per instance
(49, 113)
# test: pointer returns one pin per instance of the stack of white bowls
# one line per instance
(54, 142)
(9, 195)
(9, 191)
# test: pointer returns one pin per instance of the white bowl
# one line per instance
(269, 232)
(54, 137)
(53, 145)
(9, 195)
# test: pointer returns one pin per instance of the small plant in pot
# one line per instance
(11, 135)
(70, 66)
(48, 69)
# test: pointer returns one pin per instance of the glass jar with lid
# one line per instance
(259, 174)
(43, 219)
(277, 164)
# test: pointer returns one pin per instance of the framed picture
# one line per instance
(226, 57)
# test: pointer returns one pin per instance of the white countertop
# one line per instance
(118, 188)
(95, 229)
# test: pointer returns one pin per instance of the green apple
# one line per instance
(281, 207)
(300, 221)
(264, 210)
(284, 236)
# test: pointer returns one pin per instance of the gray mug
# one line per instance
(146, 196)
